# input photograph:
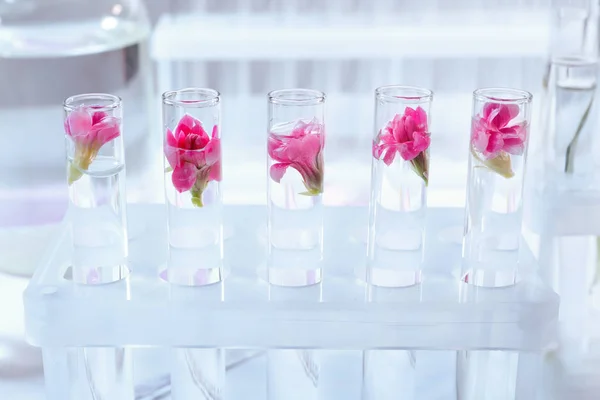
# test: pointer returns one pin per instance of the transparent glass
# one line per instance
(296, 141)
(100, 373)
(46, 27)
(572, 142)
(494, 211)
(574, 28)
(97, 215)
(85, 46)
(294, 373)
(489, 375)
(198, 374)
(399, 179)
(389, 374)
(96, 179)
(192, 149)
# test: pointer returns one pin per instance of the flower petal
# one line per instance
(421, 141)
(180, 137)
(185, 125)
(172, 154)
(517, 148)
(212, 151)
(309, 147)
(390, 154)
(302, 146)
(198, 129)
(398, 127)
(514, 138)
(184, 177)
(377, 150)
(499, 115)
(488, 109)
(407, 151)
(194, 157)
(106, 130)
(495, 145)
(79, 123)
(275, 148)
(314, 128)
(291, 149)
(420, 118)
(387, 136)
(412, 148)
(277, 171)
(505, 114)
(215, 172)
(300, 129)
(98, 116)
(491, 119)
(513, 111)
(170, 138)
(480, 135)
(409, 127)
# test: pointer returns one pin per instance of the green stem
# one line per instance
(199, 187)
(501, 164)
(310, 176)
(197, 200)
(570, 156)
(420, 167)
(74, 173)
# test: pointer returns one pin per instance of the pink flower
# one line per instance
(492, 133)
(302, 150)
(493, 140)
(407, 135)
(194, 156)
(89, 130)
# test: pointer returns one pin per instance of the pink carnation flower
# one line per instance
(194, 156)
(301, 150)
(492, 133)
(89, 130)
(407, 135)
(494, 138)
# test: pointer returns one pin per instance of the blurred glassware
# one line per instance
(50, 50)
(574, 29)
(571, 119)
(569, 110)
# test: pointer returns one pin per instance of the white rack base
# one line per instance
(144, 310)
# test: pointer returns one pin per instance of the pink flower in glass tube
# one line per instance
(407, 135)
(194, 157)
(493, 138)
(301, 150)
(89, 130)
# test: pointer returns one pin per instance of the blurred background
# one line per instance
(51, 49)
